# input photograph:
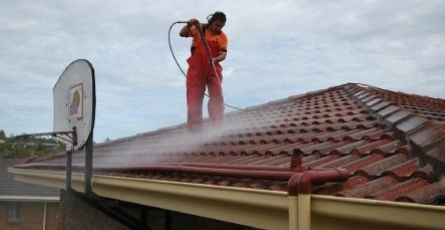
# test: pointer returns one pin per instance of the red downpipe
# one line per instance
(302, 183)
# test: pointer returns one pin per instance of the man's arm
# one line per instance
(185, 30)
(221, 56)
(222, 50)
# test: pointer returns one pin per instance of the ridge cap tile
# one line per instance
(437, 152)
(411, 123)
(387, 111)
(373, 101)
(369, 98)
(398, 116)
(362, 94)
(380, 105)
(427, 136)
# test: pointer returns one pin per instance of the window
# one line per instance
(13, 211)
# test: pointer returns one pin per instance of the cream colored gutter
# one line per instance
(385, 213)
(256, 208)
(30, 198)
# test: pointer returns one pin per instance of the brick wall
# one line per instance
(31, 216)
(77, 215)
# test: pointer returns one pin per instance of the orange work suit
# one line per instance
(200, 75)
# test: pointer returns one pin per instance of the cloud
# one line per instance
(276, 49)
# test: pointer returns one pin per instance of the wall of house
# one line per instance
(77, 215)
(31, 216)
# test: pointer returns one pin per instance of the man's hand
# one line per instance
(193, 21)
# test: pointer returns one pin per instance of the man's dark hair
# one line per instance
(217, 16)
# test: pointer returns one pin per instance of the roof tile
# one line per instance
(397, 117)
(427, 194)
(411, 124)
(391, 143)
(379, 106)
(428, 136)
(391, 109)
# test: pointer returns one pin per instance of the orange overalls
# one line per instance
(201, 75)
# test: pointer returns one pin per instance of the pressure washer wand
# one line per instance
(206, 45)
(208, 49)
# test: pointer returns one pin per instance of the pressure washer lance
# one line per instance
(206, 45)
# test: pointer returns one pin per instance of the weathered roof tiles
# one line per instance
(391, 143)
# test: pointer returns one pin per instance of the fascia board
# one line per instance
(256, 208)
(400, 214)
(54, 179)
(29, 198)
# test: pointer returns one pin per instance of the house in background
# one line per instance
(26, 206)
(351, 156)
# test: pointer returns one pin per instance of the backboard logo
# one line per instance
(75, 105)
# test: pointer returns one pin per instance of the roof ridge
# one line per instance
(426, 137)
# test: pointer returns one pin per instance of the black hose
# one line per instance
(171, 49)
(177, 63)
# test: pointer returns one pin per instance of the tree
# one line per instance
(2, 134)
(26, 146)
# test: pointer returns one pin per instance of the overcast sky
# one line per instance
(276, 49)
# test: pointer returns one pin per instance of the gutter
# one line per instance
(398, 215)
(299, 181)
(30, 198)
(257, 208)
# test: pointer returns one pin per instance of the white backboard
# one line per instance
(75, 101)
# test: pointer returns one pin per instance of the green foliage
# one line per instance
(2, 134)
(28, 146)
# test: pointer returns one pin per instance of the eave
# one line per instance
(30, 198)
(251, 207)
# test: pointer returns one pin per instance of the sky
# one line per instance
(276, 49)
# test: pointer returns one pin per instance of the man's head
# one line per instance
(216, 22)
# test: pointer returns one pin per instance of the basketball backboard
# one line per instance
(75, 101)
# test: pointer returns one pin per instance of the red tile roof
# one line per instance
(391, 143)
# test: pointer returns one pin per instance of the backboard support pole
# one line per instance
(88, 165)
(69, 160)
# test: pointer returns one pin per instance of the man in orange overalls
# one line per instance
(202, 73)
